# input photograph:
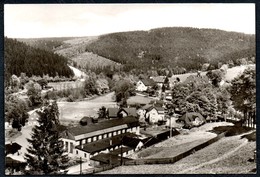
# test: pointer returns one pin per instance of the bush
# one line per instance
(250, 137)
(231, 130)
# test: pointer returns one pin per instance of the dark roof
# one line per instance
(105, 158)
(190, 116)
(130, 121)
(112, 112)
(148, 82)
(129, 111)
(86, 120)
(145, 107)
(157, 108)
(103, 144)
(131, 142)
(12, 148)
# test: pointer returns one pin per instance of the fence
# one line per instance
(176, 158)
(156, 160)
(100, 168)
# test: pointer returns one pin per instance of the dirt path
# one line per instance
(215, 160)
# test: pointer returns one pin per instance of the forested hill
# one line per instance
(175, 46)
(49, 44)
(20, 57)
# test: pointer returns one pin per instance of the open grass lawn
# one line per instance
(231, 73)
(139, 100)
(235, 164)
(231, 130)
(164, 152)
(76, 110)
(235, 71)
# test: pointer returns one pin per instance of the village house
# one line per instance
(121, 112)
(141, 112)
(151, 113)
(159, 80)
(144, 84)
(102, 137)
(155, 114)
(33, 118)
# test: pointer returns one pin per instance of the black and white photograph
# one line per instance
(141, 88)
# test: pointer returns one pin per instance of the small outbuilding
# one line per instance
(192, 119)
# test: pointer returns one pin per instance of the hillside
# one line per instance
(20, 57)
(49, 44)
(170, 47)
(74, 49)
(229, 76)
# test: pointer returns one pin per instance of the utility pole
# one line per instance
(170, 126)
(121, 151)
(80, 165)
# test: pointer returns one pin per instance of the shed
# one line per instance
(192, 119)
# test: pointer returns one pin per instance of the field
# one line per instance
(139, 100)
(93, 60)
(228, 155)
(231, 73)
(235, 71)
(76, 110)
(75, 50)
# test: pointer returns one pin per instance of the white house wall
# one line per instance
(140, 86)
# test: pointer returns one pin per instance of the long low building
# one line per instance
(79, 140)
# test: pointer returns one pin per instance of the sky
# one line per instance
(74, 20)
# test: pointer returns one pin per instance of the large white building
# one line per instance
(102, 137)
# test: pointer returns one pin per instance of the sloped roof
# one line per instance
(131, 142)
(159, 79)
(129, 121)
(158, 109)
(130, 111)
(103, 144)
(145, 107)
(112, 112)
(148, 82)
(190, 116)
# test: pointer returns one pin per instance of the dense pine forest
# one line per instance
(21, 58)
(187, 48)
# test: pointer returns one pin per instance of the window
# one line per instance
(66, 146)
(77, 152)
(85, 155)
(71, 147)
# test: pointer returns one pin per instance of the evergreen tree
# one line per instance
(45, 154)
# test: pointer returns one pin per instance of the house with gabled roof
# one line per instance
(112, 112)
(151, 113)
(127, 112)
(159, 80)
(155, 114)
(144, 84)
